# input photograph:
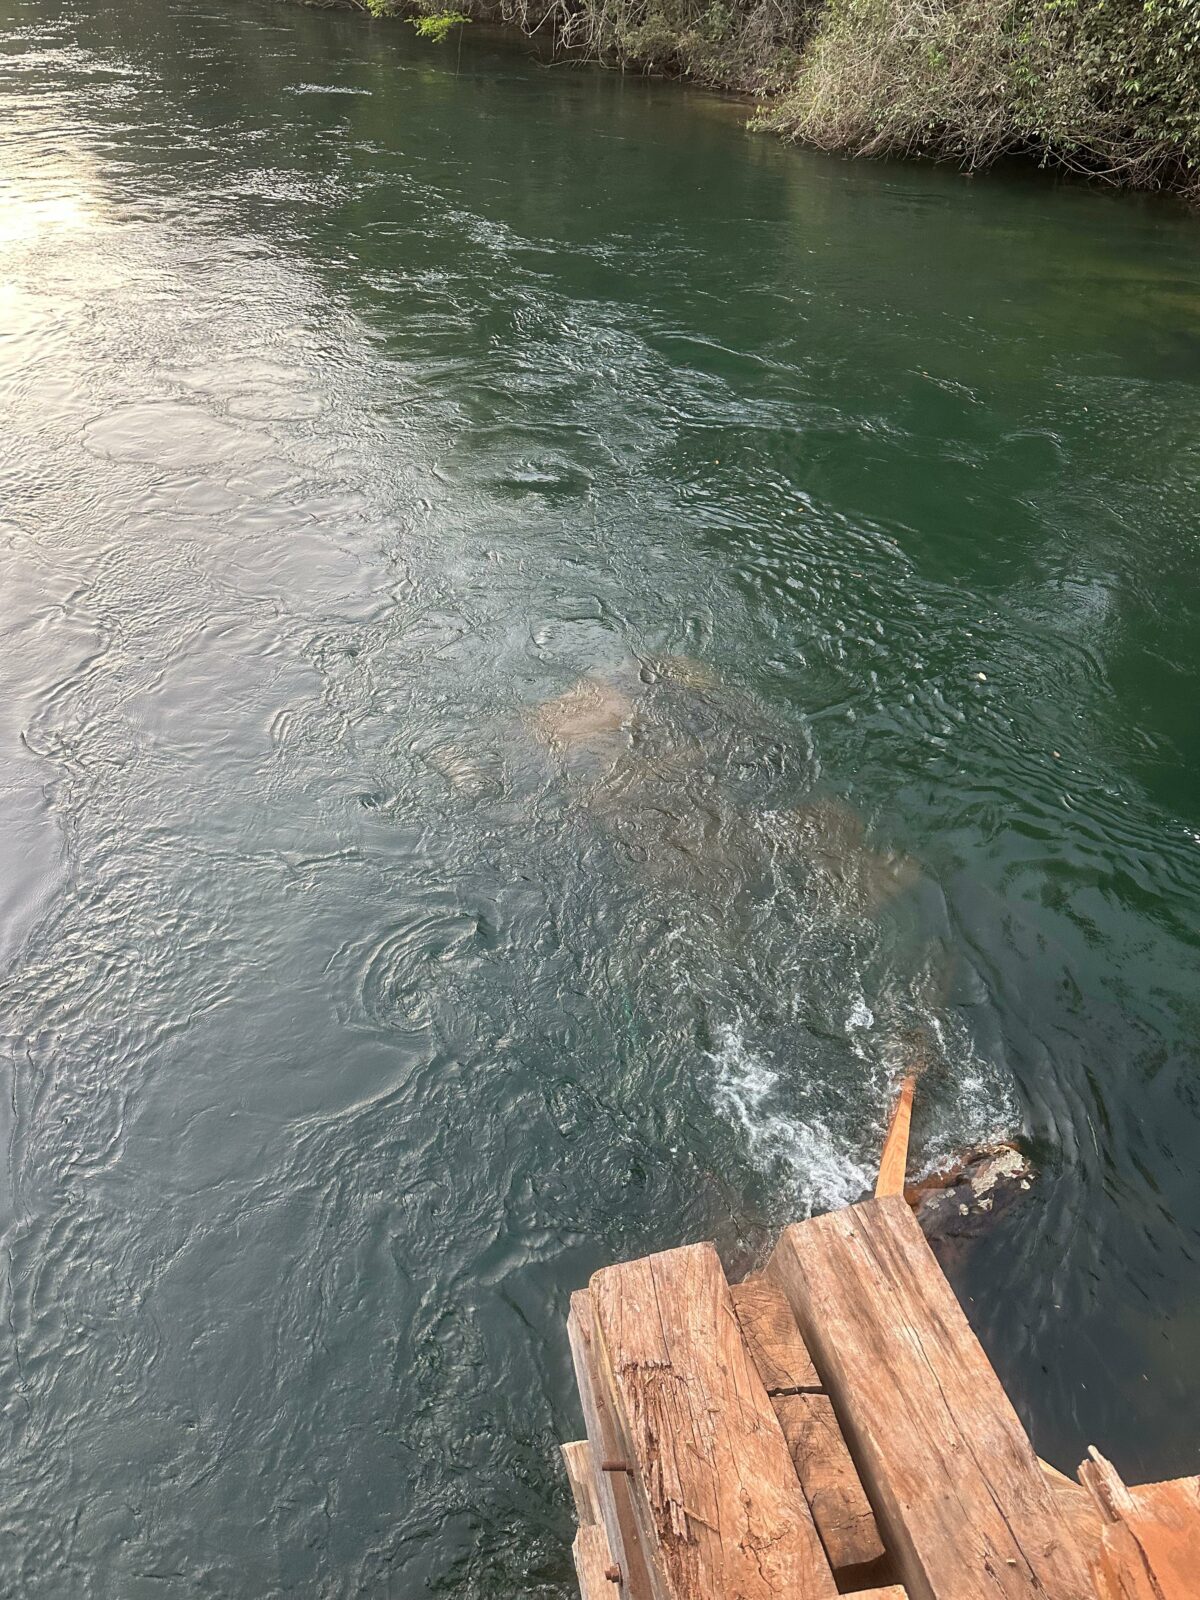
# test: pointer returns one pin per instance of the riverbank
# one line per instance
(1105, 88)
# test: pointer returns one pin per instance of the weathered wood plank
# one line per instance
(961, 1500)
(894, 1161)
(1077, 1508)
(1150, 1547)
(772, 1337)
(592, 1559)
(890, 1591)
(614, 1492)
(840, 1509)
(581, 1475)
(831, 1486)
(714, 1480)
(1166, 1523)
(1105, 1485)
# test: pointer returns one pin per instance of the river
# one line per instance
(365, 985)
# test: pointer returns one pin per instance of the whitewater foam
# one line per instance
(828, 1159)
(820, 1169)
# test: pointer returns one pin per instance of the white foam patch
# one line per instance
(983, 1108)
(861, 1016)
(822, 1166)
(822, 1172)
(326, 88)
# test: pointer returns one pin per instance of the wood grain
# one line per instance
(1150, 1542)
(772, 1337)
(1077, 1508)
(714, 1480)
(592, 1560)
(581, 1475)
(961, 1500)
(840, 1509)
(1166, 1524)
(614, 1492)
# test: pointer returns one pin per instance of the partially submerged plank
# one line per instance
(894, 1161)
(772, 1337)
(614, 1492)
(961, 1500)
(593, 1561)
(1150, 1543)
(581, 1475)
(840, 1509)
(714, 1481)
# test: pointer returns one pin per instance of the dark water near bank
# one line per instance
(352, 407)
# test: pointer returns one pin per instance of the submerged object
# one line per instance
(587, 712)
(693, 782)
(961, 1200)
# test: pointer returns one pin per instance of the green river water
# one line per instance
(356, 400)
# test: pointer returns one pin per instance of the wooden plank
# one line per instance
(890, 1591)
(1166, 1523)
(1119, 1571)
(835, 1496)
(1077, 1508)
(1102, 1481)
(614, 1492)
(581, 1475)
(1150, 1546)
(894, 1161)
(961, 1501)
(714, 1478)
(772, 1337)
(592, 1564)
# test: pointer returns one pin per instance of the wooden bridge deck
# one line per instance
(832, 1426)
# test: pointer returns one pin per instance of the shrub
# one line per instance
(1110, 87)
(436, 25)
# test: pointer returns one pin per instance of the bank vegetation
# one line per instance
(1109, 88)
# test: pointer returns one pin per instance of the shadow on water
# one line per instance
(541, 634)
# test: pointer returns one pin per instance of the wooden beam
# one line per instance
(581, 1475)
(614, 1493)
(1150, 1543)
(960, 1498)
(772, 1337)
(1077, 1508)
(894, 1161)
(714, 1479)
(1166, 1523)
(835, 1496)
(593, 1562)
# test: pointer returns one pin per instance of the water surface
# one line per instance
(356, 401)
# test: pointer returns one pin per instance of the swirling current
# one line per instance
(544, 639)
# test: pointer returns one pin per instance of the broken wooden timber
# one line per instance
(772, 1337)
(1150, 1538)
(1076, 1507)
(839, 1505)
(639, 1580)
(581, 1475)
(594, 1564)
(714, 1488)
(840, 1510)
(894, 1161)
(960, 1496)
